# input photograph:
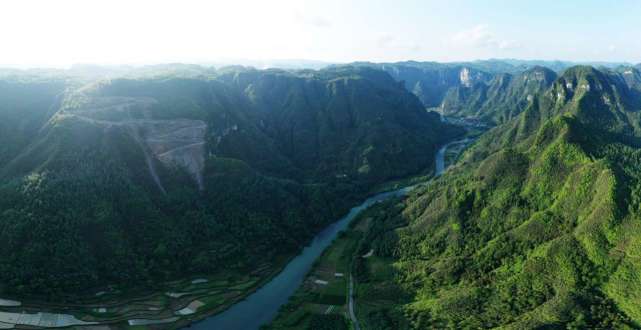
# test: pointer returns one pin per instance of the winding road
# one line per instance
(440, 168)
(352, 315)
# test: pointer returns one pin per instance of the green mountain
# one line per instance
(535, 227)
(492, 91)
(500, 99)
(431, 81)
(135, 181)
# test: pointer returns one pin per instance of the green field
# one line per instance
(377, 294)
(324, 306)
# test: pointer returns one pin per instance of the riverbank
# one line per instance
(305, 309)
(177, 304)
(263, 306)
(235, 300)
(323, 297)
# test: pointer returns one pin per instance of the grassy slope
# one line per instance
(506, 251)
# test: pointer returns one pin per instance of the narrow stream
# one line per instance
(261, 307)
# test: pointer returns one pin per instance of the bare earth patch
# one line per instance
(173, 142)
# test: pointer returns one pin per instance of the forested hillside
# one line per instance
(536, 226)
(135, 181)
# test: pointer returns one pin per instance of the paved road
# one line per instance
(440, 168)
(352, 315)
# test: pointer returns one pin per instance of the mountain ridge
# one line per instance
(531, 228)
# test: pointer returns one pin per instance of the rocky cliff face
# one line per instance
(430, 82)
(492, 92)
(500, 99)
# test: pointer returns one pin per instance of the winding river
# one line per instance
(261, 307)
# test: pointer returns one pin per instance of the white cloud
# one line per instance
(390, 42)
(386, 41)
(313, 20)
(480, 36)
(509, 44)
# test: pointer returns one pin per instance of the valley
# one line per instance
(320, 165)
(162, 202)
(326, 296)
(233, 297)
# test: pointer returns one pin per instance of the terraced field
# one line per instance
(180, 303)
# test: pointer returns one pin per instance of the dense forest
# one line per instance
(140, 179)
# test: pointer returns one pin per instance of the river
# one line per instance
(262, 306)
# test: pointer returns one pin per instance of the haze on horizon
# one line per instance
(60, 33)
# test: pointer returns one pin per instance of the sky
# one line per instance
(47, 33)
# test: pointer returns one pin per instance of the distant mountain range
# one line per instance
(105, 71)
(492, 91)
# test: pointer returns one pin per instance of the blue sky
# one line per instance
(62, 32)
